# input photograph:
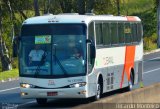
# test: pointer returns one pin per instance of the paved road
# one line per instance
(9, 91)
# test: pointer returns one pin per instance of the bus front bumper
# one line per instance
(79, 92)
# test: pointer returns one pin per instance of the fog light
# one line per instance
(23, 93)
(76, 85)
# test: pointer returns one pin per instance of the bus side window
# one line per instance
(128, 33)
(114, 33)
(139, 32)
(99, 39)
(91, 31)
(121, 33)
(134, 32)
(106, 34)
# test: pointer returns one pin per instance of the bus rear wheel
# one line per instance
(98, 91)
(41, 100)
(130, 83)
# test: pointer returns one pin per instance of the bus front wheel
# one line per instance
(41, 100)
(98, 91)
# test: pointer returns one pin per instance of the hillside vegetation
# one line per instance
(14, 12)
(145, 9)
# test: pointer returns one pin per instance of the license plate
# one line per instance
(52, 93)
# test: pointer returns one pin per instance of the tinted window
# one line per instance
(60, 45)
(128, 33)
(91, 31)
(89, 57)
(56, 29)
(99, 39)
(106, 34)
(121, 32)
(114, 34)
(134, 32)
(139, 31)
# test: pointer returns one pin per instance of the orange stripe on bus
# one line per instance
(129, 62)
(131, 18)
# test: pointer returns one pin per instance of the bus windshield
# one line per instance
(53, 50)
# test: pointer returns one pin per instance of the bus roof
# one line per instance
(70, 18)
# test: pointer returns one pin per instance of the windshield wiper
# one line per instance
(59, 63)
(40, 64)
(61, 66)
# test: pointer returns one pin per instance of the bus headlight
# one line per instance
(77, 85)
(25, 85)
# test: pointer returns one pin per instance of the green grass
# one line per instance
(9, 74)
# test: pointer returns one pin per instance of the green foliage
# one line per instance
(128, 7)
(15, 63)
(9, 74)
(22, 9)
(149, 22)
(104, 7)
(150, 43)
(145, 9)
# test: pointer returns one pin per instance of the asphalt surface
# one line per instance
(10, 92)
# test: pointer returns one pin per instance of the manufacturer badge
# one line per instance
(51, 82)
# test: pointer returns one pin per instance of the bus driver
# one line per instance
(35, 55)
(76, 54)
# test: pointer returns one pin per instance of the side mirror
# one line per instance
(15, 46)
(89, 41)
(93, 51)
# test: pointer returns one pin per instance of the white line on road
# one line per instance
(9, 89)
(151, 59)
(27, 103)
(151, 71)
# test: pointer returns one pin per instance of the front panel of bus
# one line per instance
(59, 68)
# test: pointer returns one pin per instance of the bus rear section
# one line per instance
(119, 54)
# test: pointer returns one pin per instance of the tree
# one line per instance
(12, 17)
(85, 6)
(158, 19)
(81, 6)
(36, 8)
(90, 6)
(103, 7)
(118, 8)
(48, 6)
(4, 56)
(66, 6)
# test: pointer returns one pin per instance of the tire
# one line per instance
(130, 83)
(41, 101)
(98, 91)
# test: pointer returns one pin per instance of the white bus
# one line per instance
(79, 56)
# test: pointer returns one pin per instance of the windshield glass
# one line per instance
(56, 50)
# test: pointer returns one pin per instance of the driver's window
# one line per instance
(90, 37)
